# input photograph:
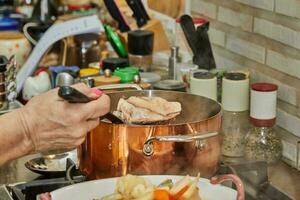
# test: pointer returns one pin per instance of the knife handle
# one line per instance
(72, 95)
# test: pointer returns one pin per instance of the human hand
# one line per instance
(50, 123)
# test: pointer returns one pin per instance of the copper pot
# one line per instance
(187, 145)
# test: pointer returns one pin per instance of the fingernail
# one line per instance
(97, 92)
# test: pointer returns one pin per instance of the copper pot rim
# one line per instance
(162, 125)
(170, 124)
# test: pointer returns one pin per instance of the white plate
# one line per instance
(99, 188)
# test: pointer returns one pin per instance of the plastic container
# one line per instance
(126, 74)
(262, 142)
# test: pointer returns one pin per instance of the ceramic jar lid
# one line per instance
(204, 84)
(235, 92)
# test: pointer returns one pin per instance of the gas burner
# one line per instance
(29, 190)
(254, 176)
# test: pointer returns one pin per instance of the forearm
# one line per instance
(14, 142)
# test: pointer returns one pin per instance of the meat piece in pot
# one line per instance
(156, 104)
(134, 111)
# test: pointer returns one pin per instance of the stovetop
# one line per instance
(254, 176)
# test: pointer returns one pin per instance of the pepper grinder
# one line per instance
(262, 142)
(235, 120)
(174, 58)
(140, 48)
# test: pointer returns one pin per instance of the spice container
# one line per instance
(173, 59)
(3, 101)
(235, 121)
(262, 142)
(204, 83)
(140, 48)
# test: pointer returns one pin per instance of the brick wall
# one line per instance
(264, 37)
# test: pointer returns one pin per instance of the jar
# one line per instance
(140, 48)
(235, 120)
(204, 84)
(262, 142)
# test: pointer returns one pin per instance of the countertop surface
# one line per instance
(281, 176)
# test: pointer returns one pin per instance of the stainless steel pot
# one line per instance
(187, 145)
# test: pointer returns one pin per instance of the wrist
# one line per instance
(23, 118)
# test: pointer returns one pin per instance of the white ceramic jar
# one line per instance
(14, 43)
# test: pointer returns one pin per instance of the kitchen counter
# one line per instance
(281, 176)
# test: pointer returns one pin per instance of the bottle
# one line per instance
(262, 142)
(235, 120)
(140, 48)
(172, 62)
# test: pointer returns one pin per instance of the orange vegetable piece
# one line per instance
(180, 193)
(161, 195)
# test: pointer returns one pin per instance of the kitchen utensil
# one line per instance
(33, 31)
(14, 43)
(100, 188)
(207, 59)
(139, 12)
(115, 42)
(118, 149)
(88, 24)
(180, 39)
(189, 31)
(115, 12)
(199, 42)
(74, 96)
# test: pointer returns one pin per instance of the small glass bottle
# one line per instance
(140, 48)
(235, 120)
(262, 142)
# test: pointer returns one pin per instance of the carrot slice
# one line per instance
(180, 193)
(161, 195)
